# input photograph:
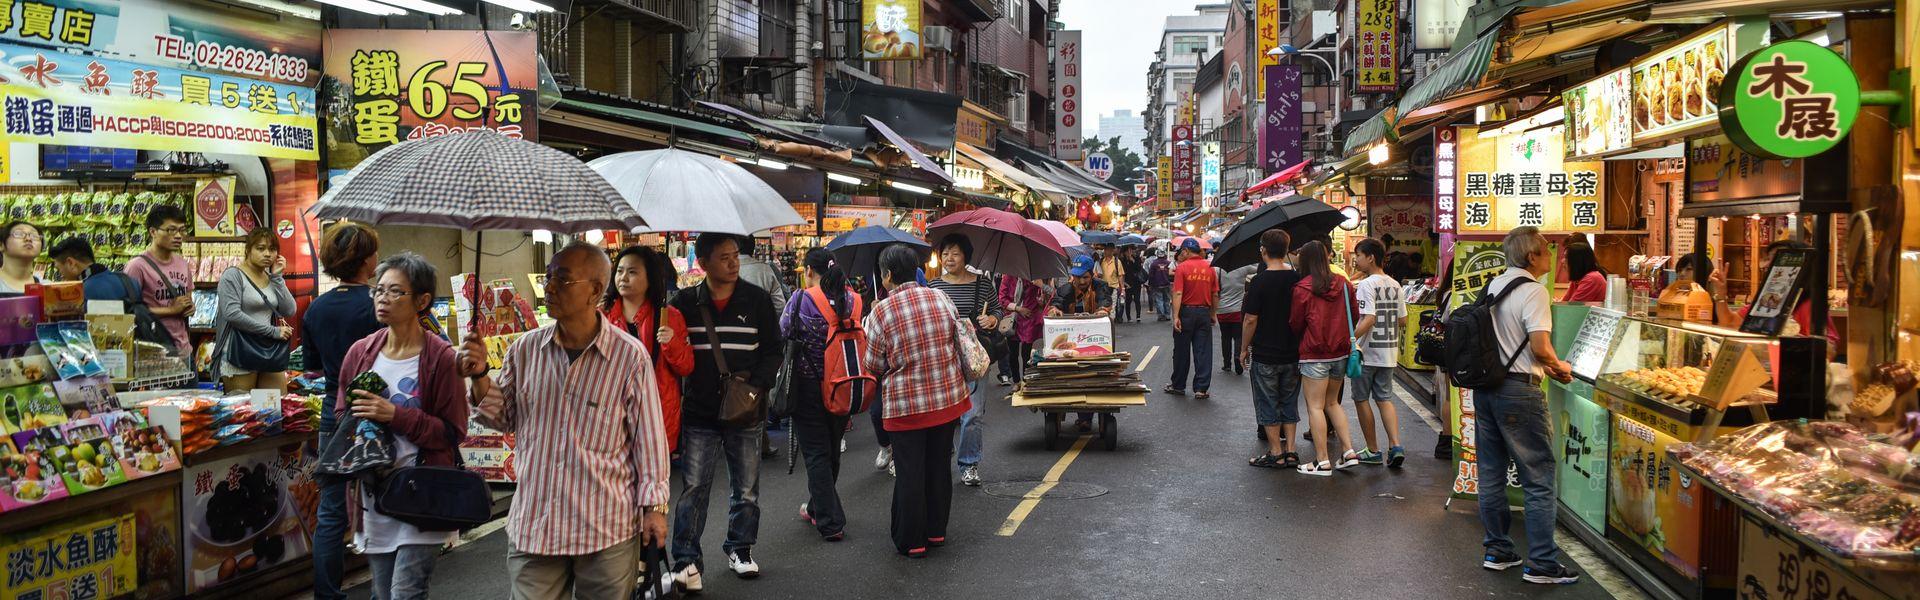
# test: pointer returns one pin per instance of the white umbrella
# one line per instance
(677, 190)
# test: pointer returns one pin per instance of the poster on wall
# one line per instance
(246, 514)
(213, 207)
(1475, 264)
(173, 33)
(88, 559)
(398, 85)
(1379, 39)
(890, 30)
(1522, 178)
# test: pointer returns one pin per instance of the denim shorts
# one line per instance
(1374, 384)
(1323, 369)
(1276, 393)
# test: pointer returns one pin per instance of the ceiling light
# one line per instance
(846, 179)
(280, 6)
(909, 187)
(423, 6)
(542, 236)
(522, 5)
(365, 6)
(771, 164)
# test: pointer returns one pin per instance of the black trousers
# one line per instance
(873, 410)
(819, 434)
(1230, 347)
(923, 488)
(1132, 307)
(1015, 362)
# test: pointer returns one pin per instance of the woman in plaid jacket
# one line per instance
(911, 345)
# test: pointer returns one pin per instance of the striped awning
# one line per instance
(1462, 71)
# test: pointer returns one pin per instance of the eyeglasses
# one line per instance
(388, 293)
(26, 236)
(171, 230)
(555, 282)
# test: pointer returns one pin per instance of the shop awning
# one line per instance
(668, 123)
(1462, 71)
(919, 159)
(1285, 175)
(1010, 174)
(770, 128)
(987, 200)
(922, 116)
(1063, 179)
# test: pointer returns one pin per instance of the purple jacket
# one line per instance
(1159, 272)
(1032, 297)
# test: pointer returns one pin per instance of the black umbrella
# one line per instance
(1301, 217)
(858, 251)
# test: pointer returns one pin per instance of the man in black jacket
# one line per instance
(745, 331)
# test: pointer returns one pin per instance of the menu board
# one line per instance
(1719, 170)
(1675, 89)
(1599, 115)
(1590, 347)
(1779, 293)
(1523, 178)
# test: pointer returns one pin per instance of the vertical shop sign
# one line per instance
(1210, 169)
(404, 85)
(1066, 90)
(1163, 179)
(1379, 33)
(1446, 146)
(1266, 31)
(890, 30)
(93, 559)
(1280, 137)
(1183, 164)
(201, 36)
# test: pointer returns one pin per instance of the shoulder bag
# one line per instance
(257, 353)
(976, 360)
(1006, 321)
(990, 338)
(435, 498)
(780, 398)
(740, 402)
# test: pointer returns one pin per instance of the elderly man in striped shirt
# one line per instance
(591, 449)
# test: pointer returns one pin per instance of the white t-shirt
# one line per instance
(1527, 310)
(1379, 295)
(380, 534)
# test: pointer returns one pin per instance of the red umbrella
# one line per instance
(1004, 243)
(1178, 240)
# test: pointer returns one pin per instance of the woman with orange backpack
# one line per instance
(825, 319)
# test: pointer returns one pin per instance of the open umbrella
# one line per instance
(478, 180)
(677, 190)
(1301, 217)
(858, 251)
(1094, 237)
(1061, 233)
(1131, 240)
(1182, 240)
(1005, 243)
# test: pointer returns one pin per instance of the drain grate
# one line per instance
(1064, 490)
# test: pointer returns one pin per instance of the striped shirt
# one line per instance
(967, 297)
(910, 345)
(590, 447)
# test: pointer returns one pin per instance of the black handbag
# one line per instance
(989, 337)
(258, 353)
(435, 498)
(741, 403)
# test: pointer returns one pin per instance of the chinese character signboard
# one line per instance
(189, 35)
(1280, 134)
(1066, 91)
(1599, 118)
(72, 100)
(1183, 146)
(1266, 37)
(1674, 90)
(975, 126)
(1163, 179)
(1446, 170)
(1775, 565)
(1793, 99)
(1379, 31)
(234, 507)
(411, 84)
(1437, 22)
(1209, 169)
(93, 559)
(1718, 170)
(890, 30)
(1516, 179)
(1474, 265)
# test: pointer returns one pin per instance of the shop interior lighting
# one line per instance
(365, 6)
(846, 179)
(1379, 154)
(1046, 205)
(542, 236)
(522, 5)
(909, 187)
(594, 236)
(279, 6)
(771, 164)
(423, 6)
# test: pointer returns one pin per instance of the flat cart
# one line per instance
(1078, 371)
(1105, 407)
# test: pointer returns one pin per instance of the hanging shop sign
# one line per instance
(1599, 115)
(1674, 90)
(890, 30)
(1163, 177)
(1517, 179)
(1266, 35)
(1437, 22)
(1183, 164)
(1280, 136)
(71, 100)
(1446, 169)
(1066, 90)
(1718, 170)
(192, 35)
(413, 84)
(1379, 37)
(1405, 220)
(1793, 99)
(975, 126)
(1209, 169)
(93, 559)
(1100, 165)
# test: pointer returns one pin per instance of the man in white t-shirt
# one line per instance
(1377, 335)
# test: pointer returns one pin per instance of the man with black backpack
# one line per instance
(73, 258)
(1510, 408)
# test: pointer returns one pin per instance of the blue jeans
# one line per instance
(1193, 343)
(970, 437)
(330, 539)
(403, 574)
(1511, 424)
(1162, 299)
(702, 448)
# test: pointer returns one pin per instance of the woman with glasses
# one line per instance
(253, 301)
(425, 408)
(638, 306)
(332, 324)
(22, 247)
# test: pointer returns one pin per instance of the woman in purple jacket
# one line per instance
(1025, 303)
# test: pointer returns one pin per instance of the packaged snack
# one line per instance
(18, 316)
(27, 476)
(80, 343)
(65, 363)
(91, 463)
(92, 394)
(146, 451)
(62, 300)
(30, 407)
(56, 211)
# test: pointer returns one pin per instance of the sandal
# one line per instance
(1321, 469)
(1349, 459)
(1174, 390)
(1202, 395)
(1289, 460)
(1265, 461)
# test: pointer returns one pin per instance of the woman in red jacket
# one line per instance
(638, 306)
(1322, 319)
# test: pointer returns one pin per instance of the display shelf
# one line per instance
(1911, 565)
(50, 512)
(244, 448)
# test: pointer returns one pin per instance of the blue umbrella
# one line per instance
(1093, 237)
(1131, 240)
(858, 251)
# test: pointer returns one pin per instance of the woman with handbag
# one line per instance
(425, 409)
(252, 339)
(1323, 314)
(1026, 302)
(638, 306)
(817, 429)
(977, 302)
(911, 346)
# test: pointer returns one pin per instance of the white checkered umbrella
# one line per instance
(478, 180)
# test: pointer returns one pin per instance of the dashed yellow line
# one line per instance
(1039, 491)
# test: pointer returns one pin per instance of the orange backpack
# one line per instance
(845, 387)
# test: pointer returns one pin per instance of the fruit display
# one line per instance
(1672, 383)
(1826, 479)
(28, 475)
(91, 462)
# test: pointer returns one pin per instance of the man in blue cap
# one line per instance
(1196, 300)
(1082, 294)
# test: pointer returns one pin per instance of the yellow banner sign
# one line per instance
(1266, 33)
(890, 30)
(90, 560)
(1507, 181)
(1163, 177)
(1379, 25)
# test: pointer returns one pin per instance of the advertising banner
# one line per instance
(1266, 37)
(51, 97)
(890, 30)
(93, 559)
(1475, 264)
(408, 84)
(1209, 169)
(246, 514)
(1280, 136)
(1599, 115)
(173, 33)
(1183, 164)
(1163, 178)
(1523, 178)
(1581, 431)
(1675, 90)
(1066, 91)
(1379, 26)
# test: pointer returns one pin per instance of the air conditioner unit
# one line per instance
(1309, 107)
(937, 37)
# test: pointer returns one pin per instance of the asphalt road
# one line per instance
(1179, 515)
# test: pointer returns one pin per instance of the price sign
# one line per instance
(1738, 369)
(1590, 346)
(1773, 565)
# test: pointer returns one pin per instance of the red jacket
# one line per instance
(440, 423)
(1324, 333)
(670, 364)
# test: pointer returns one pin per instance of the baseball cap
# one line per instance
(1082, 265)
(1192, 244)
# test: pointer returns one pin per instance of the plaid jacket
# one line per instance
(910, 344)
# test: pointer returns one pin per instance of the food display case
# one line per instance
(1582, 335)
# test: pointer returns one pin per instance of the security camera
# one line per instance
(519, 22)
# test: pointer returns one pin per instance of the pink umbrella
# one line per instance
(1181, 240)
(1004, 243)
(1061, 232)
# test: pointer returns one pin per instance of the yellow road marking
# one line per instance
(1146, 359)
(1033, 496)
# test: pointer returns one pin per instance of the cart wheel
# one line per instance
(1110, 430)
(1053, 431)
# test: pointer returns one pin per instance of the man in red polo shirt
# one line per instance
(1196, 296)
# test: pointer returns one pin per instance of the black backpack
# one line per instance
(146, 327)
(1473, 353)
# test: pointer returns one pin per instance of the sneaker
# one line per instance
(1369, 457)
(843, 445)
(1443, 449)
(970, 476)
(1320, 469)
(1499, 560)
(1555, 574)
(1005, 381)
(937, 542)
(807, 516)
(741, 561)
(1396, 456)
(687, 578)
(1349, 459)
(884, 459)
(890, 471)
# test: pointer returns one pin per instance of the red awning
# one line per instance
(1285, 175)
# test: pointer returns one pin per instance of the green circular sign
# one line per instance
(1793, 99)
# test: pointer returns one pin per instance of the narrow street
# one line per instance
(1174, 513)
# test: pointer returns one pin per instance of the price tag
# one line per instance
(1738, 369)
(1773, 565)
(1595, 338)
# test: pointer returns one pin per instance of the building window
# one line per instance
(776, 28)
(1016, 12)
(1017, 110)
(1188, 44)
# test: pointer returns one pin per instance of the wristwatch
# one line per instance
(660, 508)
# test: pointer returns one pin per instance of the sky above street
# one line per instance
(1119, 39)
